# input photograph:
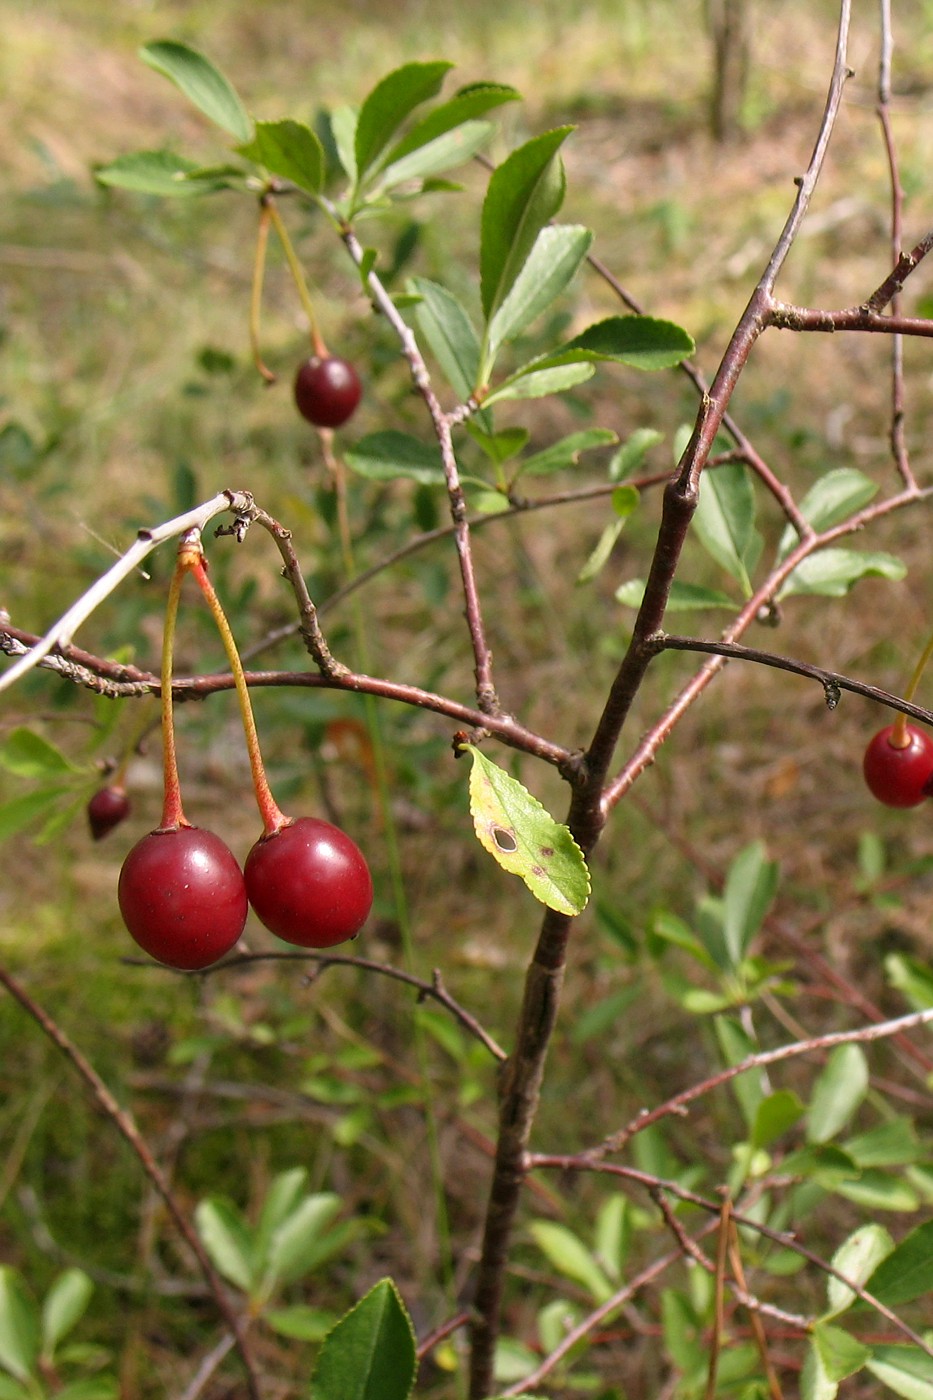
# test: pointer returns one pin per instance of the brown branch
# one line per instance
(126, 1126)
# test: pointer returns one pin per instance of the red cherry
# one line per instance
(327, 390)
(900, 777)
(182, 896)
(309, 883)
(106, 809)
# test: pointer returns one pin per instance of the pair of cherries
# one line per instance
(185, 899)
(898, 765)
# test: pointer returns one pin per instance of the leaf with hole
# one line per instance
(525, 839)
(201, 82)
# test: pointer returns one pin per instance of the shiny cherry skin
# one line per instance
(309, 883)
(106, 809)
(327, 390)
(900, 777)
(183, 897)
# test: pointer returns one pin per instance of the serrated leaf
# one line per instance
(751, 884)
(159, 173)
(570, 1257)
(19, 1326)
(907, 1371)
(524, 193)
(525, 839)
(837, 495)
(446, 326)
(65, 1302)
(552, 263)
(201, 82)
(389, 103)
(29, 755)
(228, 1240)
(725, 520)
(386, 455)
(530, 383)
(642, 342)
(465, 106)
(566, 453)
(841, 1354)
(370, 1354)
(444, 153)
(683, 597)
(907, 1272)
(290, 150)
(839, 1089)
(830, 573)
(857, 1258)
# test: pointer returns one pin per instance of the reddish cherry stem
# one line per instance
(172, 812)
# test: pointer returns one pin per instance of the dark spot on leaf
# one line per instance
(546, 851)
(537, 870)
(504, 840)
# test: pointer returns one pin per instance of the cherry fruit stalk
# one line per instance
(898, 765)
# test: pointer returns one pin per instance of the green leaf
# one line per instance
(525, 839)
(303, 1323)
(370, 1354)
(891, 1144)
(202, 84)
(570, 1257)
(911, 977)
(524, 193)
(489, 502)
(683, 597)
(12, 1390)
(21, 812)
(907, 1371)
(533, 383)
(737, 1045)
(65, 1302)
(283, 1196)
(906, 1273)
(566, 453)
(877, 1190)
(501, 446)
(624, 501)
(831, 572)
(343, 122)
(290, 150)
(447, 328)
(90, 1388)
(642, 342)
(613, 1233)
(837, 1093)
(302, 1240)
(776, 1114)
(552, 263)
(29, 755)
(841, 1354)
(725, 520)
(465, 106)
(814, 1382)
(390, 454)
(751, 884)
(389, 103)
(633, 452)
(447, 151)
(835, 497)
(19, 1326)
(158, 172)
(857, 1257)
(228, 1240)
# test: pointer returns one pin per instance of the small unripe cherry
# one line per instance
(183, 897)
(327, 390)
(106, 809)
(309, 883)
(900, 775)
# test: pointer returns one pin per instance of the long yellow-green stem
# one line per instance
(273, 819)
(255, 301)
(172, 812)
(393, 853)
(899, 738)
(298, 276)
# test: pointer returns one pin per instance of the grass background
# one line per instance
(125, 373)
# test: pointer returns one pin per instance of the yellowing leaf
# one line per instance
(525, 839)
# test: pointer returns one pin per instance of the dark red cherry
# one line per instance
(327, 390)
(900, 776)
(106, 809)
(183, 897)
(309, 883)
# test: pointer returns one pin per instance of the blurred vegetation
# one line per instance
(127, 393)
